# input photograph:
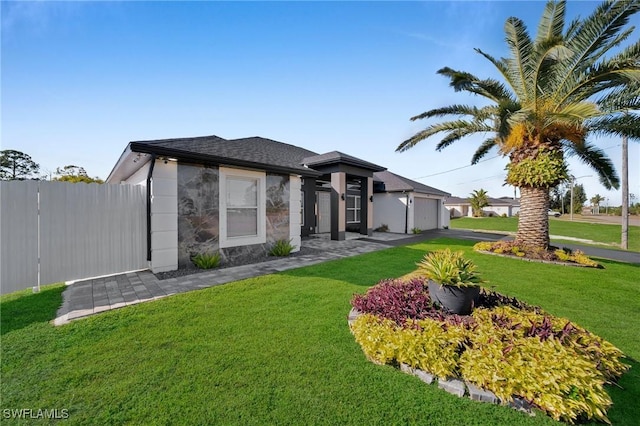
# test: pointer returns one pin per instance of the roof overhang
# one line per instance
(190, 157)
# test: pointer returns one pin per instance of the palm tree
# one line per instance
(478, 200)
(558, 88)
(595, 203)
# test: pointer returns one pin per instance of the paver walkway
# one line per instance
(92, 296)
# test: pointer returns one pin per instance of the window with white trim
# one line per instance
(242, 207)
(353, 209)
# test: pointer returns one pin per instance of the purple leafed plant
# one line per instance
(397, 300)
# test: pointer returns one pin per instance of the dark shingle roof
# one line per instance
(246, 152)
(397, 183)
(335, 157)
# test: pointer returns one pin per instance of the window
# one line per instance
(353, 209)
(242, 208)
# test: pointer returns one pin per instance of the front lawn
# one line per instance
(277, 349)
(603, 233)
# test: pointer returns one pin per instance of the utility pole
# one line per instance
(625, 193)
(573, 179)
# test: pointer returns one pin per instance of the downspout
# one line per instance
(406, 216)
(149, 175)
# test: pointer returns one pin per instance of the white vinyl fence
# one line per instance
(59, 231)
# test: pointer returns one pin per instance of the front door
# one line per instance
(323, 212)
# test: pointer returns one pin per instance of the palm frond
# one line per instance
(478, 113)
(595, 158)
(590, 38)
(483, 150)
(617, 125)
(520, 63)
(466, 126)
(552, 21)
(464, 81)
(502, 65)
(621, 99)
(575, 113)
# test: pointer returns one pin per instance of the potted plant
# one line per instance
(453, 281)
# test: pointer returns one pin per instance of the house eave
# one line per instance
(190, 157)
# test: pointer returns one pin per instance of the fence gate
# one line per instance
(60, 231)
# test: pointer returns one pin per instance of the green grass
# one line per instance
(603, 233)
(277, 350)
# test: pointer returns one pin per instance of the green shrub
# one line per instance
(558, 255)
(206, 260)
(281, 248)
(447, 267)
(416, 230)
(554, 364)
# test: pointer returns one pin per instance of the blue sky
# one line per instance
(82, 79)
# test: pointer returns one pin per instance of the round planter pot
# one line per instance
(458, 300)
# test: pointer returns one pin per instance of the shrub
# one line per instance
(416, 230)
(281, 248)
(396, 300)
(446, 267)
(536, 253)
(425, 344)
(506, 346)
(382, 228)
(206, 260)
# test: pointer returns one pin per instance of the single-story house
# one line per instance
(236, 197)
(403, 204)
(461, 207)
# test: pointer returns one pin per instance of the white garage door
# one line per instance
(425, 213)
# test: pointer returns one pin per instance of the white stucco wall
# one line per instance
(390, 209)
(444, 216)
(164, 217)
(295, 185)
(496, 210)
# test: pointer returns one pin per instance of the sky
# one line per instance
(79, 80)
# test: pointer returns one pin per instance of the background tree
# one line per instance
(556, 198)
(75, 174)
(595, 203)
(556, 89)
(579, 198)
(16, 165)
(478, 200)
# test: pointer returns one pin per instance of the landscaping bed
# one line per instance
(515, 351)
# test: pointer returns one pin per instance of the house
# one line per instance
(207, 194)
(403, 204)
(461, 207)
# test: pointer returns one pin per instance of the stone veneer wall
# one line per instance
(277, 208)
(198, 215)
(198, 211)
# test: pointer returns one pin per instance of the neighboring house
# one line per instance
(207, 194)
(461, 207)
(403, 204)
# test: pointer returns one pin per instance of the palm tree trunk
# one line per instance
(533, 222)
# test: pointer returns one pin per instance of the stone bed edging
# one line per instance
(456, 386)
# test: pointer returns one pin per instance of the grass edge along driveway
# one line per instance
(277, 350)
(601, 234)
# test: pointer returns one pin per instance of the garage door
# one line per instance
(425, 213)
